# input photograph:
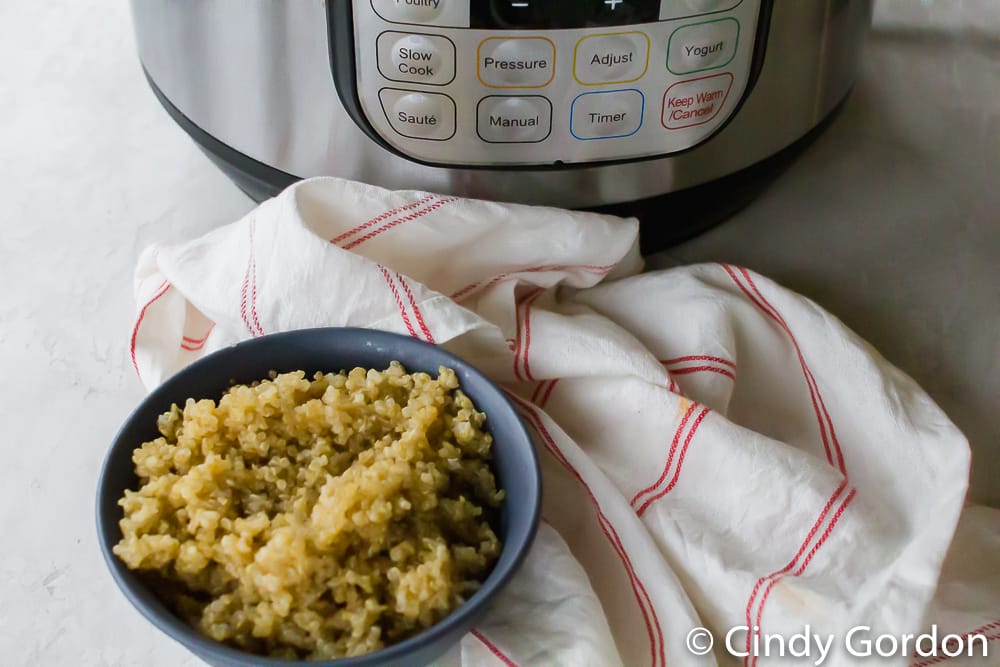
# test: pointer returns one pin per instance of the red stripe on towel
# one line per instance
(518, 339)
(399, 301)
(795, 559)
(527, 332)
(398, 221)
(822, 416)
(416, 309)
(980, 631)
(670, 456)
(380, 218)
(697, 357)
(680, 463)
(492, 648)
(707, 369)
(160, 291)
(195, 344)
(805, 563)
(653, 629)
(548, 392)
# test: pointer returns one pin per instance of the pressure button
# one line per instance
(419, 115)
(516, 62)
(416, 58)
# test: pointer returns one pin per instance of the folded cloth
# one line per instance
(717, 451)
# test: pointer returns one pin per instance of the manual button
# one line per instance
(507, 119)
(419, 115)
(416, 58)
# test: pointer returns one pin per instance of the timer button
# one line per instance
(419, 115)
(416, 58)
(702, 46)
(606, 115)
(516, 62)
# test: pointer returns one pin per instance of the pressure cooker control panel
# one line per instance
(529, 82)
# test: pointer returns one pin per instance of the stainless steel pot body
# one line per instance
(256, 75)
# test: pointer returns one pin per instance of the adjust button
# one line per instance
(416, 58)
(419, 115)
(614, 58)
(504, 119)
(516, 62)
(606, 115)
(702, 46)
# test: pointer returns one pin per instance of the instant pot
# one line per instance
(677, 111)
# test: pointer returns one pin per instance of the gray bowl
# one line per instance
(328, 350)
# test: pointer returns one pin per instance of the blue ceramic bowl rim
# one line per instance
(202, 646)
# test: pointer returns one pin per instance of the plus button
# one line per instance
(613, 3)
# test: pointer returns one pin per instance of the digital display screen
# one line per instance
(556, 14)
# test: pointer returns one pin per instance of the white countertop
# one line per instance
(891, 221)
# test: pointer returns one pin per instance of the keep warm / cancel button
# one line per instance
(695, 102)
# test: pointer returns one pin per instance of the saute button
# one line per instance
(514, 119)
(606, 115)
(702, 46)
(419, 115)
(676, 10)
(409, 11)
(695, 102)
(418, 58)
(516, 62)
(614, 58)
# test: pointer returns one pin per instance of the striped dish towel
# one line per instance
(724, 462)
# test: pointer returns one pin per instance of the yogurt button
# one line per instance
(702, 46)
(419, 115)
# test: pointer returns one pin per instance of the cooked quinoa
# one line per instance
(316, 519)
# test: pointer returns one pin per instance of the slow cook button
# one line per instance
(614, 58)
(516, 62)
(606, 115)
(702, 46)
(514, 119)
(695, 102)
(419, 115)
(416, 58)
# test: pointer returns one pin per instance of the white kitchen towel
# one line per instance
(717, 451)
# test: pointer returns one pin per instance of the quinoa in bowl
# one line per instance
(316, 517)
